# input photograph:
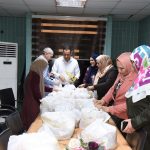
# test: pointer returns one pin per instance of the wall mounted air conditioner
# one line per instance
(8, 66)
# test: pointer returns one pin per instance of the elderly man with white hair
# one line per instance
(49, 82)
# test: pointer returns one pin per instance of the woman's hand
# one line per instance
(90, 88)
(99, 102)
(105, 108)
(81, 86)
(129, 128)
(95, 100)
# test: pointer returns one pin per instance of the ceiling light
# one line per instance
(71, 3)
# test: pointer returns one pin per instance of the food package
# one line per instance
(33, 141)
(89, 115)
(61, 124)
(100, 132)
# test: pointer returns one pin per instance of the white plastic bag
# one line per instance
(33, 141)
(61, 124)
(89, 115)
(47, 104)
(64, 106)
(100, 132)
(73, 113)
(81, 93)
(84, 103)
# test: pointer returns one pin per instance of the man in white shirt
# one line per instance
(66, 68)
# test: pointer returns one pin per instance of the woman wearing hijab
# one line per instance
(33, 92)
(90, 72)
(138, 96)
(116, 93)
(105, 76)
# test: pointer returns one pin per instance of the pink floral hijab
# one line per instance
(141, 87)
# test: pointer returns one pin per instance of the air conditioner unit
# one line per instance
(8, 66)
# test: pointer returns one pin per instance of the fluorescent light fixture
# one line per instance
(71, 3)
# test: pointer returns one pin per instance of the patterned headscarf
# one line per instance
(141, 87)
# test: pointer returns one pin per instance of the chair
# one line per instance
(14, 122)
(4, 137)
(7, 97)
(137, 139)
(4, 113)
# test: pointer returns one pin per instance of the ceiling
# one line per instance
(128, 10)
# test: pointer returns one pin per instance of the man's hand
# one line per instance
(51, 74)
(62, 78)
(56, 89)
(57, 82)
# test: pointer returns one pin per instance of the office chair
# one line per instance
(14, 122)
(7, 97)
(137, 139)
(4, 137)
(4, 113)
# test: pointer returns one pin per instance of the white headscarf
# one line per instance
(106, 64)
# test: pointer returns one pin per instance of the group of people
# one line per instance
(65, 69)
(39, 81)
(123, 92)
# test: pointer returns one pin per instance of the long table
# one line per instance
(121, 142)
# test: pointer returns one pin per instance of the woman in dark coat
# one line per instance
(138, 96)
(90, 72)
(105, 76)
(33, 92)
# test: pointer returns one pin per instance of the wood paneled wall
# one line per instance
(83, 37)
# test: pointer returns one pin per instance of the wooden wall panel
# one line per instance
(85, 36)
